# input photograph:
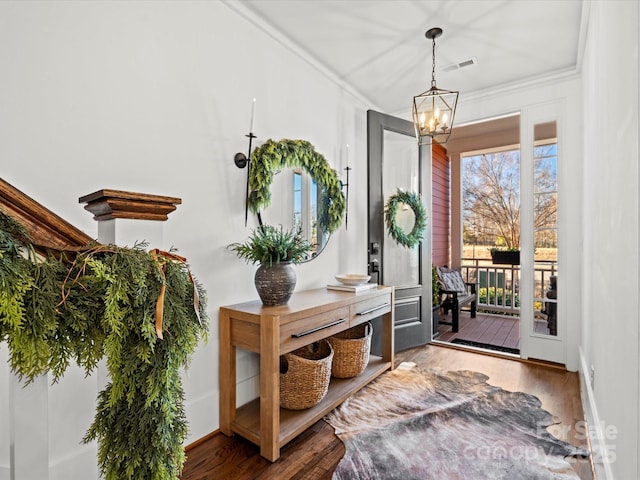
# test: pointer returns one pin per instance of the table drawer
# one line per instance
(369, 309)
(311, 329)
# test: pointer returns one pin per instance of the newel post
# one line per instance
(124, 219)
(128, 217)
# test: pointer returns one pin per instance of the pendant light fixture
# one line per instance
(433, 110)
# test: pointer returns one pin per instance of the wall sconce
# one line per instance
(241, 160)
(433, 110)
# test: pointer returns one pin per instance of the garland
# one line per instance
(139, 309)
(272, 156)
(420, 222)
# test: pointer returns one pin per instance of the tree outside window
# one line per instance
(491, 198)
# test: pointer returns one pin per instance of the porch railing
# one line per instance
(498, 285)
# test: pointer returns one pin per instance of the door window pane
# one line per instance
(545, 229)
(400, 170)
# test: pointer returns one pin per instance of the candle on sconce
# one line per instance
(253, 114)
(347, 156)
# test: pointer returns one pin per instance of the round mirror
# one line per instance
(294, 186)
(294, 204)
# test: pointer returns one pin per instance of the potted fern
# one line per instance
(275, 250)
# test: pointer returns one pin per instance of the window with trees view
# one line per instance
(491, 198)
(546, 195)
(491, 218)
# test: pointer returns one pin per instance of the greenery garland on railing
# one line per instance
(420, 221)
(142, 310)
(272, 156)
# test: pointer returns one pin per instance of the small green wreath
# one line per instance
(391, 209)
(272, 156)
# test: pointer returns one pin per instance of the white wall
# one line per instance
(610, 341)
(155, 97)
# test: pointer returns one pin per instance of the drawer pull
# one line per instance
(317, 329)
(371, 310)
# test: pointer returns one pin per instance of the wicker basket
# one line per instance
(351, 351)
(305, 375)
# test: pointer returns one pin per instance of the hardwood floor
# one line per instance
(314, 454)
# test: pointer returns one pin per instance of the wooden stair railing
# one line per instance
(45, 228)
(49, 231)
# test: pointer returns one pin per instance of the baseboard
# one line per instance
(5, 472)
(600, 454)
(199, 441)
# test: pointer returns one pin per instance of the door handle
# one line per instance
(374, 266)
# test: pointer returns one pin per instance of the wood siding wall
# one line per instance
(441, 201)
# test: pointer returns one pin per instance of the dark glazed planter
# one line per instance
(275, 283)
(506, 257)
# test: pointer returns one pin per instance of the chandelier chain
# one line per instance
(433, 64)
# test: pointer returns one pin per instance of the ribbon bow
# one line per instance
(161, 257)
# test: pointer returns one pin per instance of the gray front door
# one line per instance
(395, 161)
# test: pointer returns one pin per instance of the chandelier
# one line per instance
(433, 110)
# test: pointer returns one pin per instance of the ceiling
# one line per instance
(378, 47)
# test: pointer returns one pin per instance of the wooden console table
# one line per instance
(272, 331)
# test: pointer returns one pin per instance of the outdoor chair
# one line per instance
(551, 308)
(456, 294)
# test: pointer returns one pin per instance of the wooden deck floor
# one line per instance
(499, 330)
(492, 329)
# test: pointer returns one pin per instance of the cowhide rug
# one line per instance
(413, 424)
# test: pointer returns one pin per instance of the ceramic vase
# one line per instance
(275, 283)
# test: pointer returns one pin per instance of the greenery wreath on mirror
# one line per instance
(273, 155)
(141, 310)
(413, 201)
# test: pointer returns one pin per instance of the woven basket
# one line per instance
(305, 375)
(351, 351)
